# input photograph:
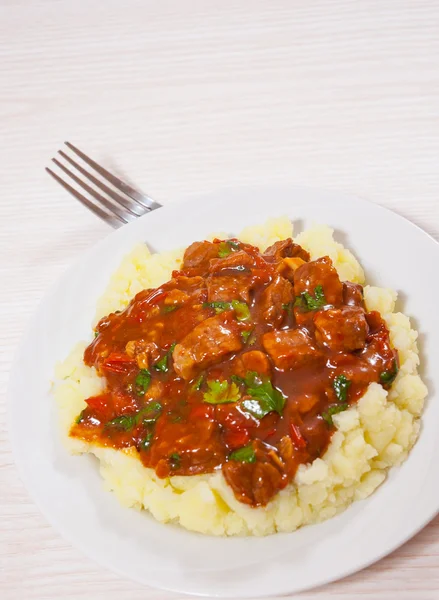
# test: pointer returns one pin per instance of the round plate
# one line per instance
(68, 490)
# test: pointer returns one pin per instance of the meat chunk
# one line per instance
(232, 261)
(288, 266)
(291, 348)
(319, 272)
(224, 288)
(255, 360)
(143, 351)
(208, 342)
(273, 300)
(283, 249)
(256, 483)
(180, 289)
(176, 297)
(198, 255)
(353, 294)
(306, 401)
(341, 329)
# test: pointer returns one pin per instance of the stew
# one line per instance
(238, 363)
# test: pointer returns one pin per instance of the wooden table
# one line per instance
(188, 96)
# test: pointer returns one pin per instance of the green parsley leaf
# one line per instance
(264, 397)
(150, 413)
(170, 308)
(175, 460)
(162, 364)
(289, 306)
(341, 385)
(242, 310)
(388, 377)
(96, 334)
(124, 422)
(245, 454)
(221, 392)
(226, 248)
(80, 417)
(196, 386)
(145, 444)
(142, 381)
(245, 335)
(174, 417)
(309, 302)
(333, 410)
(218, 306)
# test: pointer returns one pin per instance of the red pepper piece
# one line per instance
(101, 405)
(117, 362)
(198, 411)
(236, 438)
(298, 440)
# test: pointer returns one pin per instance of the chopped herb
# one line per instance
(289, 306)
(80, 417)
(96, 334)
(245, 454)
(218, 306)
(171, 308)
(150, 413)
(196, 386)
(221, 392)
(162, 364)
(124, 422)
(245, 335)
(175, 460)
(242, 310)
(309, 302)
(388, 377)
(145, 444)
(264, 398)
(226, 248)
(333, 410)
(252, 339)
(341, 385)
(142, 381)
(174, 417)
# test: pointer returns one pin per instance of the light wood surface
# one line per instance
(188, 96)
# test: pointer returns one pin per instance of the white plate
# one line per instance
(68, 490)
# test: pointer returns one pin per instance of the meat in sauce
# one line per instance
(236, 363)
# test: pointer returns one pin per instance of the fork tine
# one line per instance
(142, 199)
(112, 208)
(134, 208)
(112, 220)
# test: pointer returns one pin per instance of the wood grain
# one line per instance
(188, 96)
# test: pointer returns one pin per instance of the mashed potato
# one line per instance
(370, 438)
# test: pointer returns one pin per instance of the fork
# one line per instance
(118, 206)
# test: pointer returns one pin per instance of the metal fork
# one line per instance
(115, 207)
